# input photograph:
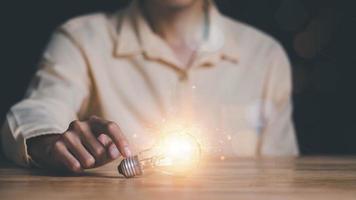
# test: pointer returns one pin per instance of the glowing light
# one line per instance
(176, 153)
(178, 150)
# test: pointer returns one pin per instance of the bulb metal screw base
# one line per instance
(130, 167)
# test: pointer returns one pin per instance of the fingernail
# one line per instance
(114, 152)
(127, 151)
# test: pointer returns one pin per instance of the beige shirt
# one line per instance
(235, 98)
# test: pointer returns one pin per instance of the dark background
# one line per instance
(319, 36)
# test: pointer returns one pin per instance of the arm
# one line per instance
(278, 135)
(58, 93)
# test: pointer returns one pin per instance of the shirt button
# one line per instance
(183, 76)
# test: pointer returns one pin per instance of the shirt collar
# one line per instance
(136, 37)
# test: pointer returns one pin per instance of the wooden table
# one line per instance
(287, 178)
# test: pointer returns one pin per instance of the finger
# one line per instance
(104, 140)
(113, 131)
(75, 146)
(91, 143)
(113, 151)
(108, 144)
(62, 155)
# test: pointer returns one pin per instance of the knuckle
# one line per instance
(58, 145)
(111, 126)
(76, 125)
(123, 141)
(70, 138)
(66, 135)
(99, 151)
(102, 137)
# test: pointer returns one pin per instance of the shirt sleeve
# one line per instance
(278, 135)
(54, 98)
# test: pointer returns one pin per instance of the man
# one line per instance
(109, 80)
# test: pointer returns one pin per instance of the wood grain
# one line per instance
(268, 178)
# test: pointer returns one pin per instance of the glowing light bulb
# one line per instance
(175, 153)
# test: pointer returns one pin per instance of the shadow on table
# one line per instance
(33, 171)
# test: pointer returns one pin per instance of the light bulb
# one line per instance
(175, 153)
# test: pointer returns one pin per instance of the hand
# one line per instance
(85, 144)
